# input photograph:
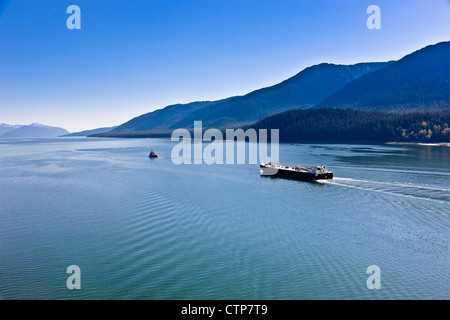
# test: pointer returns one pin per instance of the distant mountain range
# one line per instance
(34, 130)
(4, 128)
(419, 81)
(85, 133)
(37, 130)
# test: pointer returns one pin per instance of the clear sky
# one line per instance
(131, 57)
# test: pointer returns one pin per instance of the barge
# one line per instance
(298, 173)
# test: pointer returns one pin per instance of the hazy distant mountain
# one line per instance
(4, 128)
(419, 81)
(35, 130)
(85, 133)
(305, 89)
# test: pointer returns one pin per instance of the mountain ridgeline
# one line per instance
(405, 93)
(303, 90)
(419, 81)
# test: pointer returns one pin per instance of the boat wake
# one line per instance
(424, 192)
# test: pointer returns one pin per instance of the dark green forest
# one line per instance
(357, 125)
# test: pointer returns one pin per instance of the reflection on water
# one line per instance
(143, 228)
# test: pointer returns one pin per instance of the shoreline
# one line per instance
(147, 136)
(432, 144)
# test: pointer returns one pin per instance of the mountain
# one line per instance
(419, 81)
(303, 90)
(161, 119)
(85, 133)
(4, 128)
(35, 130)
(333, 124)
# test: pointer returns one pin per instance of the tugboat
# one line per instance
(152, 155)
(312, 173)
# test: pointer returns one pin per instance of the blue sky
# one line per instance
(131, 57)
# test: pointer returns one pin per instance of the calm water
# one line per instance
(143, 228)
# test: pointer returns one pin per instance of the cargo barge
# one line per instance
(298, 173)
